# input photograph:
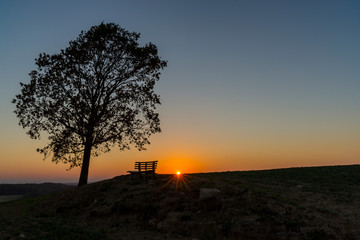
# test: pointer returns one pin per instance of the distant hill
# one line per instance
(298, 203)
(31, 190)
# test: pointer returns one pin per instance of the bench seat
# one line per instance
(144, 168)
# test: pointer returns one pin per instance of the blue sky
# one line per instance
(263, 84)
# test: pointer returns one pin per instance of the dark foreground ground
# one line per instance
(298, 203)
(29, 190)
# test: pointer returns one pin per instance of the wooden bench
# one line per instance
(144, 168)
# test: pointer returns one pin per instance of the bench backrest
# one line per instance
(146, 166)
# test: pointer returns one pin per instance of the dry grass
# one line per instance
(299, 203)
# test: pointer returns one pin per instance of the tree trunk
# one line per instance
(85, 165)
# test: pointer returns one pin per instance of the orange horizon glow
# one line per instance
(182, 155)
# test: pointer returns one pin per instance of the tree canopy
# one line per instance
(95, 94)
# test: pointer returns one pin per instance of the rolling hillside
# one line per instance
(31, 189)
(296, 203)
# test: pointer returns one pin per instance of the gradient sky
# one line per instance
(249, 84)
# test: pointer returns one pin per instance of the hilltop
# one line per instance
(296, 203)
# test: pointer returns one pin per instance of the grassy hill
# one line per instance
(30, 189)
(296, 203)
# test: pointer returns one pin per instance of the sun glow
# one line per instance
(178, 173)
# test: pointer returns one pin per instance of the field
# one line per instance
(10, 198)
(296, 203)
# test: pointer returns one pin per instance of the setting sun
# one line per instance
(178, 173)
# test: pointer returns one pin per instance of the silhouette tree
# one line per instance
(95, 94)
